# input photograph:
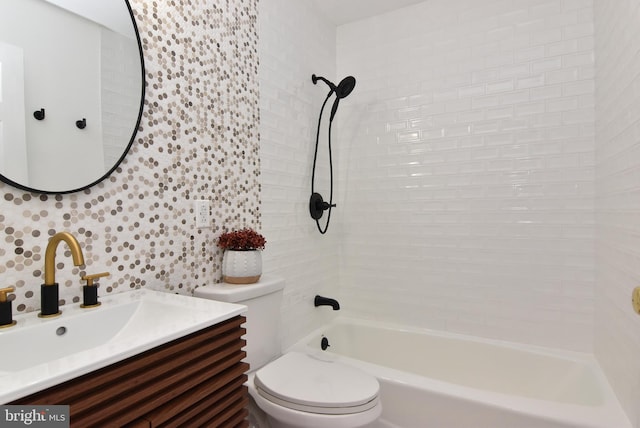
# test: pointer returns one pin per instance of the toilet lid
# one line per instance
(301, 382)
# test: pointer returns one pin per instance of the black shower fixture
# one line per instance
(317, 204)
(343, 89)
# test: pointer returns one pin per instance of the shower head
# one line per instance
(345, 86)
(343, 89)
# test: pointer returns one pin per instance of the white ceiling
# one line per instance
(344, 11)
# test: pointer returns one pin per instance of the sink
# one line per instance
(41, 352)
(64, 336)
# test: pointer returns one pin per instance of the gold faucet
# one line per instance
(50, 255)
(49, 290)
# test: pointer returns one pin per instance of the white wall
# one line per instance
(294, 42)
(102, 12)
(119, 93)
(62, 75)
(467, 169)
(617, 341)
(13, 141)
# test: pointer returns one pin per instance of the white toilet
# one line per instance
(295, 390)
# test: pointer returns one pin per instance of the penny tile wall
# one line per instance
(198, 139)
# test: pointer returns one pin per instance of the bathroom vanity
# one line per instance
(176, 361)
(193, 381)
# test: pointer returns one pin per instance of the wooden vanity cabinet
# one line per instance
(194, 381)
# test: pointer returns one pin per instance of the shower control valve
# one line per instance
(317, 206)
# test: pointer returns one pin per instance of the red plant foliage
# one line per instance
(245, 239)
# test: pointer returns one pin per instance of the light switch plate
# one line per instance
(202, 214)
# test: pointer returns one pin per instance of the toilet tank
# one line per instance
(263, 301)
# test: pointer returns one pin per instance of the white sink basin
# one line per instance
(41, 352)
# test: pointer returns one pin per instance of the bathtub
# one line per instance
(440, 380)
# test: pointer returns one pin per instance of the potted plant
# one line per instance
(242, 259)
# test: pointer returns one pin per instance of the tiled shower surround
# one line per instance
(467, 169)
(290, 51)
(198, 139)
(617, 338)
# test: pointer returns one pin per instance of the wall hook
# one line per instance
(39, 114)
(81, 124)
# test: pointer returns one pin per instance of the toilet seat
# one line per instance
(301, 382)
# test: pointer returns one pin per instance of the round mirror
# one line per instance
(71, 91)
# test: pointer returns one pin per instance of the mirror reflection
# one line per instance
(71, 89)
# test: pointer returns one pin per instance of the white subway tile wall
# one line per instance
(295, 41)
(120, 100)
(617, 337)
(466, 178)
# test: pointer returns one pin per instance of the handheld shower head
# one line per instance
(345, 86)
(342, 91)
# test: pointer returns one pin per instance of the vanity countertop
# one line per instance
(38, 353)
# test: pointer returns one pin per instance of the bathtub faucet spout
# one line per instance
(325, 301)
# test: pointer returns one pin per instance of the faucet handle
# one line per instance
(92, 277)
(3, 293)
(90, 291)
(6, 317)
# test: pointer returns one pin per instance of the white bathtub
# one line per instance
(439, 380)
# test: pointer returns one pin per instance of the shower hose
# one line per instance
(330, 204)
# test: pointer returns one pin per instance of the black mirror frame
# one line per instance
(133, 135)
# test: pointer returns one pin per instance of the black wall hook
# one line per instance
(39, 114)
(81, 124)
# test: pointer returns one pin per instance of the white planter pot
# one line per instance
(241, 267)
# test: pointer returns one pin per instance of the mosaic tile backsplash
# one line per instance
(198, 139)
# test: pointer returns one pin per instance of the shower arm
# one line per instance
(331, 85)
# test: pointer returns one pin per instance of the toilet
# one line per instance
(295, 389)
